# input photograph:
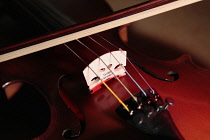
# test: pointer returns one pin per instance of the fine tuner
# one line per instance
(143, 114)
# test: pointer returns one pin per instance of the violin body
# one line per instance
(44, 69)
(56, 74)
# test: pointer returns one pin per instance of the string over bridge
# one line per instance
(106, 70)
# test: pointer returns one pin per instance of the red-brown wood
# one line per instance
(44, 69)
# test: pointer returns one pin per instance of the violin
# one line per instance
(45, 95)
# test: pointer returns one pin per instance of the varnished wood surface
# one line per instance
(44, 69)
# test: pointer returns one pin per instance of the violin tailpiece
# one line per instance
(150, 115)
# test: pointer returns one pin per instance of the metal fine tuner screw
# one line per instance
(169, 102)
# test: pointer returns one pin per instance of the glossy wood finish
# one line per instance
(45, 68)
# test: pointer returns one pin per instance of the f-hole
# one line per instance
(25, 114)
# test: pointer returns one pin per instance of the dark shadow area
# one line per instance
(25, 114)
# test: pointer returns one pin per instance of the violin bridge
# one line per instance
(104, 68)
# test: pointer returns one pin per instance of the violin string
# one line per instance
(113, 93)
(108, 68)
(128, 61)
(122, 67)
